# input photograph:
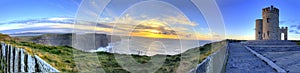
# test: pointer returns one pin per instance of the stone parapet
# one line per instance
(15, 59)
(269, 42)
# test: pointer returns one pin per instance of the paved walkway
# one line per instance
(241, 60)
(287, 58)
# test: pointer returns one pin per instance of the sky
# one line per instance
(153, 19)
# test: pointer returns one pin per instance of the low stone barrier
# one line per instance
(214, 63)
(268, 42)
(14, 59)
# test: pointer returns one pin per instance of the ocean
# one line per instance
(151, 46)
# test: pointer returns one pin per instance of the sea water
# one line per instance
(151, 46)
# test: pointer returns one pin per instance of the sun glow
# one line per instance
(152, 29)
(153, 23)
(153, 35)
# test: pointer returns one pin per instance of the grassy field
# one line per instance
(64, 59)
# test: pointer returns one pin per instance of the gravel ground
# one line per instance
(241, 60)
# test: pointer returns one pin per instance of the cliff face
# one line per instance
(54, 39)
(90, 41)
(101, 40)
(5, 37)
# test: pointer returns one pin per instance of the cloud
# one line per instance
(84, 27)
(179, 19)
(59, 19)
(31, 23)
(168, 27)
(292, 26)
(177, 26)
(171, 20)
(65, 25)
(104, 20)
(154, 27)
(42, 20)
(295, 29)
(297, 32)
(46, 31)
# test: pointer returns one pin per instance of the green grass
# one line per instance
(296, 41)
(62, 58)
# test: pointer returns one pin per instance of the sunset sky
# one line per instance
(153, 19)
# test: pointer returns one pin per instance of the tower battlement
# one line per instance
(284, 28)
(271, 9)
(268, 28)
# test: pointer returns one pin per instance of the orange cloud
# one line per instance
(155, 28)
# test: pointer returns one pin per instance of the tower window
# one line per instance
(268, 20)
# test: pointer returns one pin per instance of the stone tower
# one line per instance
(258, 28)
(268, 27)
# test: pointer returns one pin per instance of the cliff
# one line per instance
(101, 40)
(5, 37)
(54, 39)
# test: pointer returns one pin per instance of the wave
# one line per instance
(141, 47)
(108, 48)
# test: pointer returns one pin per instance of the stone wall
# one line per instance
(214, 63)
(268, 42)
(283, 30)
(14, 59)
